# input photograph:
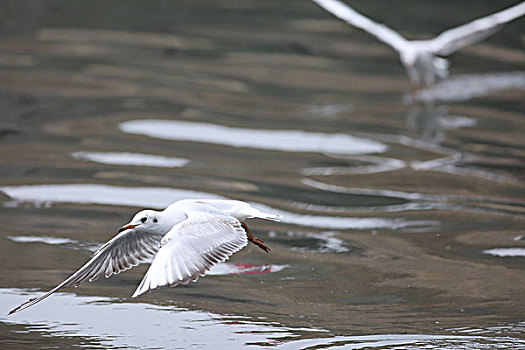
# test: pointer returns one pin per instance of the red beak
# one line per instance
(127, 227)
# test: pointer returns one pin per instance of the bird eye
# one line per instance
(144, 219)
(155, 220)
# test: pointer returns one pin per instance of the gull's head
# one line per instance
(146, 220)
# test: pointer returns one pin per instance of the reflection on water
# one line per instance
(402, 223)
(325, 242)
(109, 323)
(431, 121)
(505, 329)
(159, 198)
(243, 269)
(405, 341)
(224, 268)
(330, 110)
(69, 315)
(151, 197)
(126, 158)
(279, 140)
(504, 252)
(453, 165)
(60, 241)
(41, 239)
(467, 86)
(379, 164)
(416, 201)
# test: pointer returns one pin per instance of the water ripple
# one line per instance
(418, 201)
(126, 158)
(224, 268)
(450, 165)
(160, 197)
(467, 86)
(379, 165)
(506, 252)
(278, 140)
(69, 315)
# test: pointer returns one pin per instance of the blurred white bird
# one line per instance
(185, 240)
(421, 57)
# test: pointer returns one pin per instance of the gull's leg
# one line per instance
(258, 242)
(416, 88)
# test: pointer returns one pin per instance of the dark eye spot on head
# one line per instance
(155, 220)
(144, 219)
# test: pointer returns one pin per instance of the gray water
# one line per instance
(403, 222)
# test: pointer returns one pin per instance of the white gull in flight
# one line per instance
(185, 240)
(423, 59)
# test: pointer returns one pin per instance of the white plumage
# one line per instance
(185, 240)
(421, 57)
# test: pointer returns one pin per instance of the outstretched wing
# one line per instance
(191, 248)
(454, 39)
(349, 15)
(127, 249)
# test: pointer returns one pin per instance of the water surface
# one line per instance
(403, 218)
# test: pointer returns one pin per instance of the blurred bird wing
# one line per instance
(191, 248)
(127, 249)
(354, 18)
(454, 39)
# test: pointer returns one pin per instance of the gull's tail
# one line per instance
(243, 210)
(254, 213)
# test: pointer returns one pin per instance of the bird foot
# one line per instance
(258, 242)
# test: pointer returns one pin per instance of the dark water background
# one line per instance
(403, 223)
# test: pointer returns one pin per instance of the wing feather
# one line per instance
(122, 252)
(454, 39)
(354, 18)
(191, 248)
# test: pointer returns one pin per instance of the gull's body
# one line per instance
(423, 59)
(185, 240)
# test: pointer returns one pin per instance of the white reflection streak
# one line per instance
(371, 209)
(482, 174)
(506, 252)
(330, 110)
(377, 341)
(153, 197)
(342, 222)
(414, 143)
(70, 315)
(434, 163)
(365, 191)
(242, 269)
(379, 164)
(328, 242)
(278, 140)
(41, 239)
(125, 158)
(159, 327)
(160, 197)
(448, 165)
(451, 122)
(382, 164)
(467, 86)
(412, 196)
(60, 241)
(420, 201)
